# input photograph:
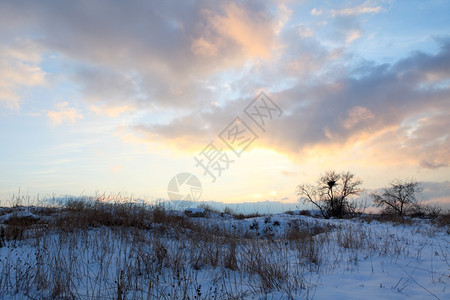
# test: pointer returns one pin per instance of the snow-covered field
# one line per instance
(56, 253)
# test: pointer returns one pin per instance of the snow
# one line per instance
(195, 210)
(343, 259)
(20, 214)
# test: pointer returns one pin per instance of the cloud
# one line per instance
(347, 23)
(357, 114)
(364, 8)
(384, 97)
(353, 34)
(183, 56)
(152, 54)
(304, 58)
(202, 47)
(391, 111)
(64, 113)
(316, 12)
(284, 14)
(19, 68)
(111, 111)
(433, 164)
(252, 31)
(428, 138)
(112, 90)
(436, 192)
(304, 31)
(346, 29)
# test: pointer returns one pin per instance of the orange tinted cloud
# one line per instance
(364, 8)
(252, 31)
(19, 67)
(111, 111)
(356, 115)
(64, 113)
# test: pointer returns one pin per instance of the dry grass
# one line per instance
(443, 220)
(93, 249)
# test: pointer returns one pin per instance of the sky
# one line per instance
(251, 97)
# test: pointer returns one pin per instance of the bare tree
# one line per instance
(400, 198)
(331, 193)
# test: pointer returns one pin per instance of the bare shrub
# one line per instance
(383, 218)
(246, 216)
(331, 193)
(443, 220)
(399, 198)
(305, 212)
(295, 233)
(209, 208)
